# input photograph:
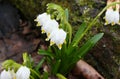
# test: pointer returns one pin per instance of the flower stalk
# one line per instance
(95, 19)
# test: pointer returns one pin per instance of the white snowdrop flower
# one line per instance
(23, 73)
(6, 75)
(49, 26)
(112, 17)
(42, 19)
(116, 17)
(109, 16)
(58, 37)
(13, 74)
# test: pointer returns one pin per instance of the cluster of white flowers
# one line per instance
(51, 28)
(112, 16)
(22, 73)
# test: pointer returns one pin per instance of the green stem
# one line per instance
(35, 72)
(69, 28)
(31, 77)
(70, 31)
(94, 20)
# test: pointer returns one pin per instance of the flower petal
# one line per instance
(58, 36)
(5, 75)
(23, 73)
(42, 18)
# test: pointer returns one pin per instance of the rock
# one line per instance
(103, 57)
(85, 70)
(17, 36)
(9, 20)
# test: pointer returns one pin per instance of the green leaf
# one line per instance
(67, 14)
(34, 73)
(31, 77)
(45, 75)
(54, 6)
(88, 45)
(69, 30)
(60, 76)
(10, 64)
(58, 17)
(45, 52)
(40, 64)
(56, 66)
(79, 34)
(27, 60)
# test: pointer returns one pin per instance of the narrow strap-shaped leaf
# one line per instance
(34, 72)
(79, 34)
(45, 75)
(45, 52)
(31, 77)
(67, 14)
(89, 44)
(40, 64)
(56, 66)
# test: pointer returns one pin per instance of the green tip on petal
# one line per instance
(47, 39)
(14, 78)
(38, 24)
(112, 23)
(48, 35)
(104, 17)
(60, 46)
(106, 23)
(51, 43)
(43, 31)
(65, 42)
(118, 23)
(35, 20)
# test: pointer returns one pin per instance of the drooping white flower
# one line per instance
(42, 19)
(13, 74)
(5, 75)
(109, 16)
(112, 17)
(116, 17)
(58, 37)
(49, 26)
(23, 73)
(112, 13)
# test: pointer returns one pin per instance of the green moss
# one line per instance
(31, 8)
